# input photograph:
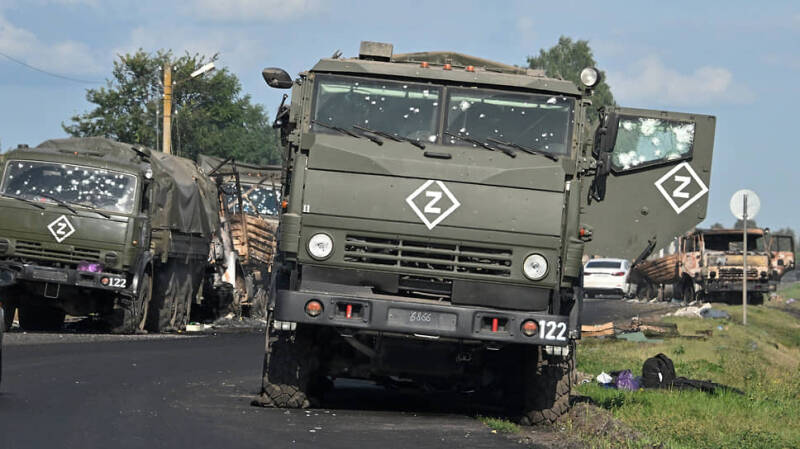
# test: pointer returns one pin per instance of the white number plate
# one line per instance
(553, 330)
(117, 282)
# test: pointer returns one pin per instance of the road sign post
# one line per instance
(744, 205)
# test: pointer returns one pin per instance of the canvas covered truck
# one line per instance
(435, 210)
(249, 205)
(91, 226)
(707, 264)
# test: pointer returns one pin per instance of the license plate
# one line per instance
(114, 282)
(422, 319)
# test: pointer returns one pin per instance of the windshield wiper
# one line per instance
(60, 202)
(528, 150)
(481, 144)
(336, 128)
(24, 200)
(394, 137)
(66, 205)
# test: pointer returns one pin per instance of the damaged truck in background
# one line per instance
(435, 211)
(96, 227)
(707, 265)
(249, 197)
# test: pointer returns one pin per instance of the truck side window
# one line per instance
(643, 141)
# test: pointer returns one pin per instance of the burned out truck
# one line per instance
(707, 265)
(91, 226)
(781, 248)
(435, 210)
(249, 206)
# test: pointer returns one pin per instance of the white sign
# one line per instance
(61, 228)
(437, 202)
(737, 204)
(681, 187)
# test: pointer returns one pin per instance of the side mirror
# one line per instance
(606, 134)
(277, 78)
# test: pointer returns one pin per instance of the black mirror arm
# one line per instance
(283, 111)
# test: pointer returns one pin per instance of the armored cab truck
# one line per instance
(707, 265)
(435, 210)
(91, 226)
(249, 205)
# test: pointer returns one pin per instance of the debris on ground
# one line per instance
(704, 311)
(638, 337)
(604, 378)
(598, 330)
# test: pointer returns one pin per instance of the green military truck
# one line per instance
(436, 207)
(91, 226)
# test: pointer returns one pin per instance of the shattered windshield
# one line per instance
(81, 185)
(540, 122)
(256, 200)
(399, 108)
(643, 141)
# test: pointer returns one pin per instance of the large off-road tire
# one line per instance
(547, 384)
(33, 317)
(130, 314)
(290, 369)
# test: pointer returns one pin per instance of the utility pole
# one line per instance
(167, 143)
(744, 264)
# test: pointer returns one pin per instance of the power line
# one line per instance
(56, 75)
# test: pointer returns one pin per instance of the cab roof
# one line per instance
(463, 69)
(93, 151)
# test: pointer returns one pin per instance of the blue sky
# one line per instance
(737, 60)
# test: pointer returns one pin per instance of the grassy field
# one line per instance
(762, 359)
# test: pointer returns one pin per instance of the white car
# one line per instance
(607, 277)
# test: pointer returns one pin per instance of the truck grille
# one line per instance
(35, 250)
(427, 257)
(736, 273)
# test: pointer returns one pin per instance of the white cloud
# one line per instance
(251, 10)
(66, 57)
(649, 80)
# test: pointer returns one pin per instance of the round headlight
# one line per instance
(590, 76)
(320, 246)
(535, 267)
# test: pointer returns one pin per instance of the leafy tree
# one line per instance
(209, 114)
(565, 60)
(717, 225)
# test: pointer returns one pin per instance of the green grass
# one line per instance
(500, 425)
(762, 359)
(793, 291)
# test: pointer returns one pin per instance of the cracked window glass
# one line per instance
(399, 108)
(540, 122)
(78, 185)
(645, 141)
(256, 200)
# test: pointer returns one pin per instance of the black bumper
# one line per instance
(11, 273)
(397, 316)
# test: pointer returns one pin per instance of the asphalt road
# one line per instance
(101, 391)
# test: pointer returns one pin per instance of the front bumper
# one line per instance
(752, 286)
(12, 273)
(421, 319)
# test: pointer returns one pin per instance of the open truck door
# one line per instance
(651, 182)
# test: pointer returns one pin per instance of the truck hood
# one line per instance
(435, 202)
(24, 222)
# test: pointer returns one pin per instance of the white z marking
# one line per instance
(678, 192)
(429, 209)
(62, 229)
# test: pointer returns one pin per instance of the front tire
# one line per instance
(547, 384)
(129, 314)
(290, 368)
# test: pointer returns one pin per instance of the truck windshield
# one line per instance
(399, 108)
(256, 200)
(540, 122)
(80, 185)
(733, 242)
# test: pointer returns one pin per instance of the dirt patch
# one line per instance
(585, 426)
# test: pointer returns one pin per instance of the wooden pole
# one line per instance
(167, 142)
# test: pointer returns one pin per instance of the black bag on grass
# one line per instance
(658, 372)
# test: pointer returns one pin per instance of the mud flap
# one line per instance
(653, 182)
